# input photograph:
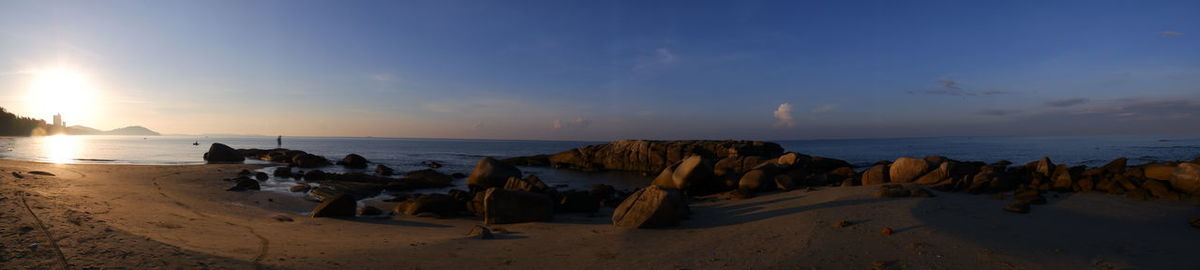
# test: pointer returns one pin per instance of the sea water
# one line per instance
(460, 155)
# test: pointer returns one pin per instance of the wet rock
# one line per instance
(651, 207)
(875, 175)
(653, 156)
(432, 164)
(384, 170)
(341, 205)
(221, 153)
(307, 160)
(369, 211)
(429, 177)
(443, 205)
(17, 175)
(243, 184)
(41, 173)
(354, 161)
(299, 188)
(285, 172)
(489, 173)
(261, 176)
(458, 175)
(511, 206)
(907, 169)
(315, 175)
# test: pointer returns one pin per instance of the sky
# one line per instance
(603, 70)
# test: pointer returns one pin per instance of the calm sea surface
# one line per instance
(461, 155)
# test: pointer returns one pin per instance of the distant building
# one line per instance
(58, 122)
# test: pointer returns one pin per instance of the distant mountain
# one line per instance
(128, 131)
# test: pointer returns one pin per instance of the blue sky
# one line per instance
(600, 70)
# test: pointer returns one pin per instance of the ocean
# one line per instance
(461, 155)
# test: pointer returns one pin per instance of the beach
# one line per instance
(180, 216)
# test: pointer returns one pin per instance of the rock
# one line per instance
(790, 160)
(442, 205)
(579, 202)
(481, 232)
(1062, 179)
(429, 177)
(1018, 207)
(307, 160)
(369, 211)
(299, 188)
(1045, 167)
(602, 191)
(784, 182)
(886, 231)
(1117, 166)
(283, 172)
(1085, 184)
(489, 173)
(42, 173)
(1186, 178)
(315, 175)
(432, 164)
(737, 194)
(244, 183)
(341, 205)
(875, 175)
(531, 184)
(892, 191)
(353, 161)
(651, 207)
(245, 172)
(753, 181)
(1159, 190)
(221, 153)
(458, 175)
(907, 169)
(941, 173)
(691, 174)
(511, 206)
(384, 170)
(261, 176)
(653, 156)
(1195, 222)
(1158, 171)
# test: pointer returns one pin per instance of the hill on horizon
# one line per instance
(127, 131)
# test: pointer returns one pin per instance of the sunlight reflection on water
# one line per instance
(61, 149)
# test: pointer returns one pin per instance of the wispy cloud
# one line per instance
(1066, 102)
(996, 112)
(950, 87)
(824, 109)
(660, 58)
(784, 116)
(1170, 33)
(577, 123)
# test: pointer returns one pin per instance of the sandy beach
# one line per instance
(142, 217)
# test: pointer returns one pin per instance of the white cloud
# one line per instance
(784, 114)
(1171, 33)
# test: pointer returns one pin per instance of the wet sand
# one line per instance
(140, 217)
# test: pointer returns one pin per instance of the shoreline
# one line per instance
(156, 216)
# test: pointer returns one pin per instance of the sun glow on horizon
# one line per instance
(60, 149)
(60, 90)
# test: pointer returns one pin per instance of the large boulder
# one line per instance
(354, 161)
(531, 184)
(429, 177)
(1045, 167)
(1158, 171)
(384, 170)
(875, 175)
(221, 153)
(1186, 178)
(489, 173)
(307, 160)
(442, 205)
(341, 205)
(244, 183)
(502, 206)
(754, 180)
(936, 175)
(651, 207)
(907, 169)
(689, 174)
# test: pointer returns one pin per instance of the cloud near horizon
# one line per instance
(952, 88)
(1066, 102)
(577, 123)
(784, 116)
(1171, 33)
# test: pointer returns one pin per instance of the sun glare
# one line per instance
(62, 91)
(61, 149)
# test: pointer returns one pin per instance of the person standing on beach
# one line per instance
(279, 141)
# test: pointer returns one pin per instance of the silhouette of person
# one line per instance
(279, 141)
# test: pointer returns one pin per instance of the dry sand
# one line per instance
(144, 217)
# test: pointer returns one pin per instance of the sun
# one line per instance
(60, 90)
